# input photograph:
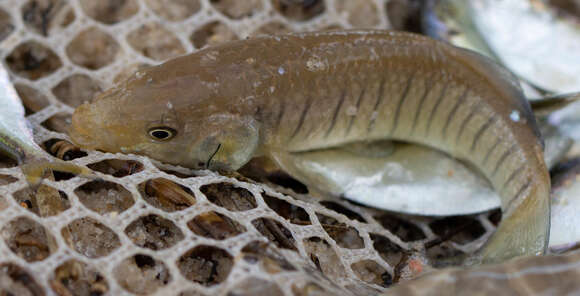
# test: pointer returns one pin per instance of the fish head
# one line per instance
(181, 121)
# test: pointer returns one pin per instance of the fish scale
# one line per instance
(279, 95)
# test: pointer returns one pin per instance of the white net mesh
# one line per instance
(133, 233)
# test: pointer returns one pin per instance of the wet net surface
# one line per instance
(147, 228)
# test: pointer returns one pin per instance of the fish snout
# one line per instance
(82, 128)
(80, 139)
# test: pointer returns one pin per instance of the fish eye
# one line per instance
(161, 133)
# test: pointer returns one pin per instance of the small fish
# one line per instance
(273, 96)
(562, 112)
(413, 179)
(530, 37)
(565, 221)
(17, 142)
(544, 275)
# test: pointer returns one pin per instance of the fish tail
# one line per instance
(36, 171)
(524, 230)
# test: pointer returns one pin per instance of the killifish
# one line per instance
(276, 95)
(17, 142)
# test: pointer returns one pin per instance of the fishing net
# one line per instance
(148, 228)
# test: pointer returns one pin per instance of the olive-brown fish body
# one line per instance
(273, 95)
(543, 275)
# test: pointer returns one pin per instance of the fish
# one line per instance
(412, 179)
(563, 112)
(273, 96)
(543, 275)
(565, 221)
(534, 39)
(17, 141)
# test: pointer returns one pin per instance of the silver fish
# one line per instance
(565, 222)
(529, 37)
(17, 141)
